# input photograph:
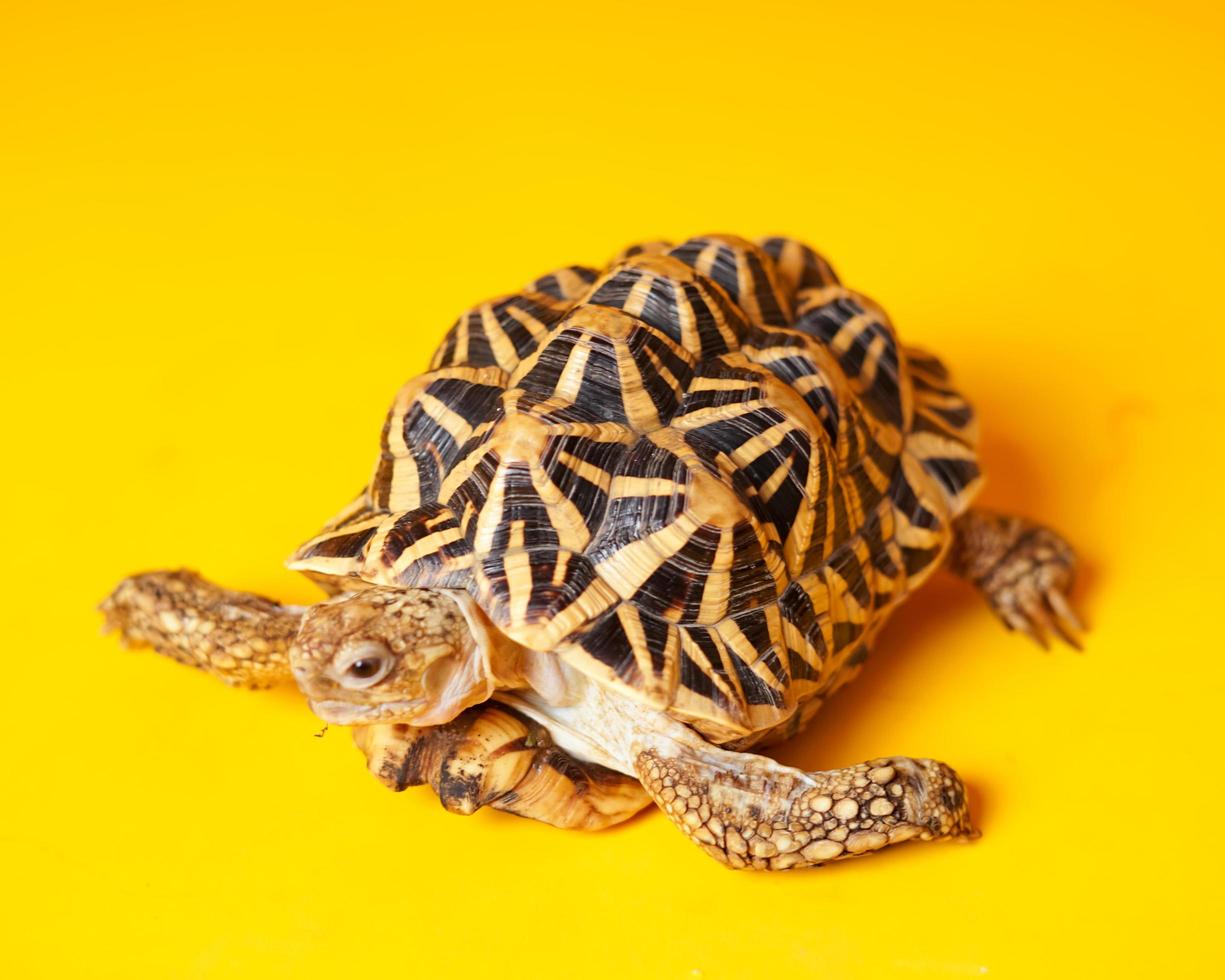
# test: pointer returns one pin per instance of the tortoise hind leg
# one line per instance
(748, 811)
(493, 756)
(241, 638)
(1024, 569)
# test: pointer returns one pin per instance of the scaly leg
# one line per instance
(241, 638)
(493, 756)
(1024, 569)
(749, 811)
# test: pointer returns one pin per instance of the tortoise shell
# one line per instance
(703, 476)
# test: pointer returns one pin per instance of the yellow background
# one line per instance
(231, 230)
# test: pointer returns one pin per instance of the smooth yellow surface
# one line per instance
(231, 230)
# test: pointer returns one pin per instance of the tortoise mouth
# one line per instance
(336, 712)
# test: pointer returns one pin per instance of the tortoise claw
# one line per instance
(1067, 623)
(1024, 569)
(1033, 599)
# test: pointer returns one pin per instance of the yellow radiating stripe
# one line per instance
(460, 472)
(664, 338)
(690, 337)
(570, 381)
(719, 384)
(537, 328)
(814, 298)
(461, 340)
(446, 417)
(440, 518)
(375, 520)
(705, 260)
(698, 656)
(637, 297)
(791, 262)
(560, 569)
(841, 342)
(731, 338)
(929, 445)
(717, 590)
(639, 407)
(490, 517)
(878, 477)
(799, 643)
(428, 545)
(588, 471)
(776, 479)
(517, 563)
(762, 443)
(470, 512)
(662, 370)
(735, 640)
(748, 300)
(631, 622)
(645, 486)
(811, 382)
(571, 285)
(871, 361)
(717, 413)
(405, 491)
(629, 567)
(730, 674)
(946, 400)
(770, 557)
(503, 350)
(597, 598)
(564, 516)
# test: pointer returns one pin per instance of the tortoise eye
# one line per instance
(370, 664)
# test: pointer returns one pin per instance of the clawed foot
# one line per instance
(1024, 569)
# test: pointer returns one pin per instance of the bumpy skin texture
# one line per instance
(241, 638)
(493, 756)
(761, 817)
(1025, 571)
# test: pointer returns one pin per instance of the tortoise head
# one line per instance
(390, 655)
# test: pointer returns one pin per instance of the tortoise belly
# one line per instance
(704, 476)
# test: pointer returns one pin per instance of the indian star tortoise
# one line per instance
(631, 524)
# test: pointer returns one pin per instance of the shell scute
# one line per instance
(679, 541)
(603, 365)
(430, 421)
(859, 334)
(745, 272)
(670, 296)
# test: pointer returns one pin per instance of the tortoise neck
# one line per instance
(597, 725)
(514, 667)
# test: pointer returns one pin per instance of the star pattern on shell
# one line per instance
(704, 475)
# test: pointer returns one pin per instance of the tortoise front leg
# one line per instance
(241, 638)
(493, 756)
(1024, 569)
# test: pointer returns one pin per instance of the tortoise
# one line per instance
(631, 524)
